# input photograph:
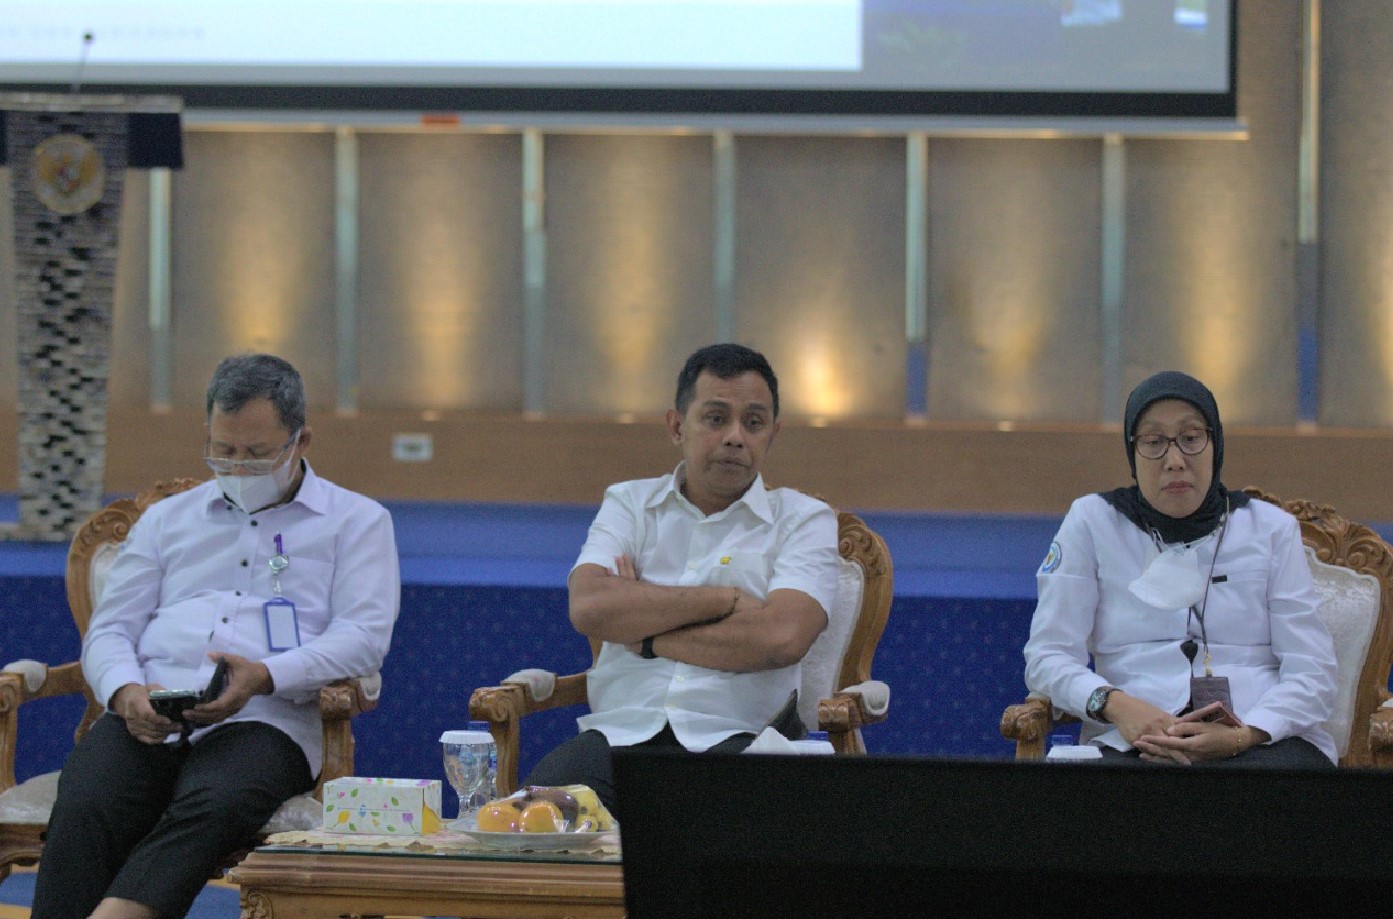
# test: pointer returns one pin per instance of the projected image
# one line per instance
(774, 56)
(1032, 45)
(1089, 12)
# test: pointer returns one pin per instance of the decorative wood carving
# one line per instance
(256, 906)
(11, 695)
(1027, 723)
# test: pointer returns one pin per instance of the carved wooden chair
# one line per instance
(837, 694)
(1353, 571)
(24, 808)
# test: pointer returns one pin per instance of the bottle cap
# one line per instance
(471, 736)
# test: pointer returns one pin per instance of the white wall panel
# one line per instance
(629, 268)
(440, 271)
(253, 236)
(820, 270)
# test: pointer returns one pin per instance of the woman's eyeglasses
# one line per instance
(1154, 446)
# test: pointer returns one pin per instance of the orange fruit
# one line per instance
(499, 818)
(542, 817)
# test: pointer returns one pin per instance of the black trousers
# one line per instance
(586, 760)
(1290, 753)
(151, 823)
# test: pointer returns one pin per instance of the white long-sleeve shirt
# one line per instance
(766, 540)
(193, 575)
(1261, 618)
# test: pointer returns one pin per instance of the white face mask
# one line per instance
(253, 492)
(1172, 581)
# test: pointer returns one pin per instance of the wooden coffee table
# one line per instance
(282, 882)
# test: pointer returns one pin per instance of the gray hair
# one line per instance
(241, 379)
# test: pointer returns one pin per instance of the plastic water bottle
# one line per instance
(816, 742)
(471, 765)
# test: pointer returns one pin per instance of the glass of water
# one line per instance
(467, 771)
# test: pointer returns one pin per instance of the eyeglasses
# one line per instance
(1155, 446)
(226, 465)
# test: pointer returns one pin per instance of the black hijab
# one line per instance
(1129, 501)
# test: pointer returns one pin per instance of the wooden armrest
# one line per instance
(344, 699)
(62, 680)
(11, 697)
(1028, 724)
(570, 690)
(339, 703)
(1381, 737)
(513, 701)
(504, 707)
(842, 715)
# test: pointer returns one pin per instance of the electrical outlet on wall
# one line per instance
(412, 448)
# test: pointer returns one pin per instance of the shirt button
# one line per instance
(680, 679)
(244, 563)
(237, 592)
(256, 523)
(225, 619)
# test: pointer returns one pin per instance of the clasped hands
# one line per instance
(245, 678)
(1161, 737)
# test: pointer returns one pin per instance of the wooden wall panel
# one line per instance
(955, 468)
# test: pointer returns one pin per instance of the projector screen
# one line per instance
(1150, 58)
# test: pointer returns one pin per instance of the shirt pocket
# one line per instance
(1235, 611)
(179, 634)
(749, 571)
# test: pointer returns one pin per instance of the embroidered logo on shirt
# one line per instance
(725, 559)
(1052, 558)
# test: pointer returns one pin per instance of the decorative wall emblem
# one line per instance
(68, 173)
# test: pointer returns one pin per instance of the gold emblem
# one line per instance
(68, 173)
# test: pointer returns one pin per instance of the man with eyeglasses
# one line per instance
(291, 582)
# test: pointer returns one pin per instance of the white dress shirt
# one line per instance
(1260, 615)
(766, 540)
(194, 574)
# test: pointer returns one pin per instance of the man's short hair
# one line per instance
(724, 361)
(241, 379)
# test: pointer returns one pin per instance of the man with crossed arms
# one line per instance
(705, 587)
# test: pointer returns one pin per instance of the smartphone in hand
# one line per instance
(172, 703)
(1214, 713)
(217, 684)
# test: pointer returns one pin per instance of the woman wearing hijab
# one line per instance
(1195, 603)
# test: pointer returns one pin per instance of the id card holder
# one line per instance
(1207, 689)
(282, 625)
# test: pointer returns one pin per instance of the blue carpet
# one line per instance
(213, 903)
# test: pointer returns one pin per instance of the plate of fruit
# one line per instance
(543, 819)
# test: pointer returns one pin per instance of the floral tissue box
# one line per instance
(401, 807)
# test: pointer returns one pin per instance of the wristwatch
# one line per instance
(646, 649)
(1096, 701)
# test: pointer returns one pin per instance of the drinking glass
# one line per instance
(467, 771)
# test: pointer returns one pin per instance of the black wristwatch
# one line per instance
(1097, 701)
(646, 649)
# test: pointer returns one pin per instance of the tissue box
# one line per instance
(402, 807)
